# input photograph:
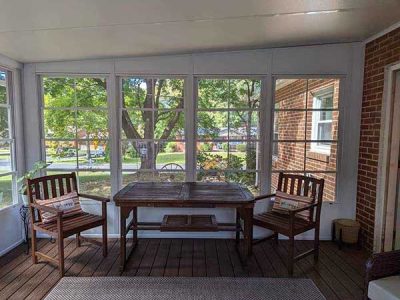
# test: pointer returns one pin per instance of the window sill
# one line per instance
(7, 208)
(318, 155)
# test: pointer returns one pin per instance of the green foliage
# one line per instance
(171, 147)
(206, 147)
(241, 147)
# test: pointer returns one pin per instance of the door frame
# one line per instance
(388, 153)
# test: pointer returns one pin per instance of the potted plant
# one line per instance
(37, 167)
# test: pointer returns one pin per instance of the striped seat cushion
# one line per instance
(285, 202)
(68, 203)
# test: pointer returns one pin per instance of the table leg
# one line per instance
(237, 226)
(248, 230)
(124, 214)
(135, 223)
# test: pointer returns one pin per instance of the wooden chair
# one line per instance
(48, 187)
(290, 225)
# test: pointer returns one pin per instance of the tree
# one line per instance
(152, 109)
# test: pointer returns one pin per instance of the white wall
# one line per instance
(345, 60)
(10, 221)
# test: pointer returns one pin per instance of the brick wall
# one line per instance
(378, 53)
(297, 126)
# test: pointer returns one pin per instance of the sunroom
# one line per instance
(199, 150)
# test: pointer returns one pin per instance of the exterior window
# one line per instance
(76, 130)
(227, 139)
(322, 120)
(8, 194)
(306, 140)
(153, 129)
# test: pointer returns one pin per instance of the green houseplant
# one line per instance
(37, 167)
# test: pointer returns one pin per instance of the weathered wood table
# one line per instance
(184, 194)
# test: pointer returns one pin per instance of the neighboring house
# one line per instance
(295, 126)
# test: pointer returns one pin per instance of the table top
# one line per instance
(183, 193)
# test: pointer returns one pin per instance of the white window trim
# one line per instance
(11, 139)
(317, 146)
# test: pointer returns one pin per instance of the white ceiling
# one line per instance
(50, 30)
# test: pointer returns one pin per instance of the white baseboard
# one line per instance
(8, 249)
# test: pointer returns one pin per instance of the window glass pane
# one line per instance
(95, 183)
(169, 125)
(244, 93)
(142, 175)
(4, 123)
(318, 129)
(213, 93)
(131, 156)
(326, 91)
(137, 124)
(212, 156)
(90, 92)
(3, 88)
(168, 94)
(172, 176)
(137, 93)
(248, 179)
(290, 125)
(93, 154)
(59, 124)
(171, 156)
(212, 124)
(5, 157)
(329, 185)
(61, 154)
(243, 125)
(92, 124)
(6, 188)
(321, 157)
(291, 93)
(59, 92)
(243, 156)
(290, 156)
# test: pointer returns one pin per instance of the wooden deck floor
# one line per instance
(338, 274)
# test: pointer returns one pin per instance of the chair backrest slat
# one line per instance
(42, 187)
(303, 186)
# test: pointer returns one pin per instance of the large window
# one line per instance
(76, 130)
(227, 140)
(7, 144)
(306, 115)
(153, 129)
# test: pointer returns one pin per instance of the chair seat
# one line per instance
(385, 288)
(280, 223)
(71, 225)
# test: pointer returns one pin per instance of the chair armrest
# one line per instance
(297, 210)
(47, 209)
(96, 198)
(264, 197)
(381, 265)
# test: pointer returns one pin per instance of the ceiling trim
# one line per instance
(381, 33)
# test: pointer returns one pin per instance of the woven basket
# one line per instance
(350, 230)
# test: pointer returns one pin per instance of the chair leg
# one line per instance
(316, 244)
(276, 238)
(104, 229)
(290, 256)
(78, 240)
(61, 256)
(34, 246)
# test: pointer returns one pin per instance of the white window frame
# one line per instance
(76, 140)
(11, 139)
(183, 110)
(318, 96)
(258, 141)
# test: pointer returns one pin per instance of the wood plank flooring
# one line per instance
(338, 274)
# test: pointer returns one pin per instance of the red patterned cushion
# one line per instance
(285, 202)
(68, 203)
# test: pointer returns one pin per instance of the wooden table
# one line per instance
(184, 194)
